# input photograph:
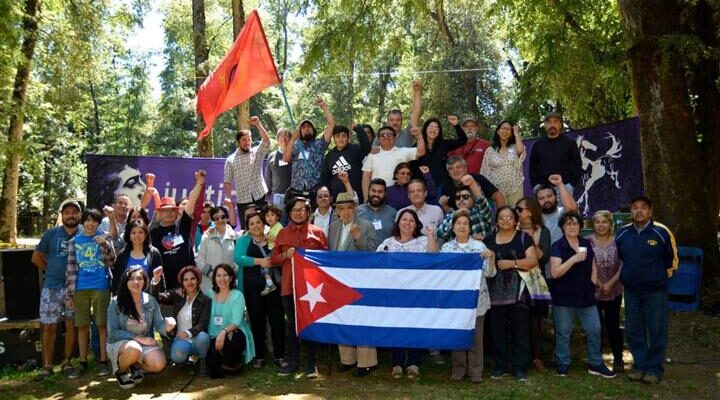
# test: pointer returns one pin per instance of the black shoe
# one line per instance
(363, 372)
(346, 368)
(125, 380)
(287, 370)
(137, 374)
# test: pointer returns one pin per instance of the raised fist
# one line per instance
(453, 120)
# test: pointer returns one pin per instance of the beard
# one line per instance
(549, 208)
(306, 137)
(376, 201)
(70, 223)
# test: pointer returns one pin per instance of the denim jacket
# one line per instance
(117, 322)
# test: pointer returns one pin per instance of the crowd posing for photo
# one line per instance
(214, 281)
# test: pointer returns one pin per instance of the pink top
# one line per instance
(608, 264)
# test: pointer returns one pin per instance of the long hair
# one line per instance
(125, 302)
(424, 132)
(496, 137)
(138, 223)
(143, 215)
(532, 205)
(418, 225)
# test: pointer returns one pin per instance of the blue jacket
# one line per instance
(649, 257)
(117, 322)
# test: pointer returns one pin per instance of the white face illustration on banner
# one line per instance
(595, 169)
(130, 184)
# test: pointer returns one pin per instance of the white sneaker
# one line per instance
(397, 372)
(413, 372)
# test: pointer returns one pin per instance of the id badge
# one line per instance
(377, 224)
(178, 241)
(217, 320)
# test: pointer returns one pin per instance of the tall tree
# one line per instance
(678, 116)
(205, 146)
(238, 17)
(8, 199)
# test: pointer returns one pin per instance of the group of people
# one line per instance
(220, 289)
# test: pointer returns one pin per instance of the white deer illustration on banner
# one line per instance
(597, 168)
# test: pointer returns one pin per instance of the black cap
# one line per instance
(642, 198)
(553, 114)
(71, 203)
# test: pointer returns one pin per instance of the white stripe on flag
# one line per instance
(398, 317)
(407, 278)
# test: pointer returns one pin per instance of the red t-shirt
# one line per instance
(473, 153)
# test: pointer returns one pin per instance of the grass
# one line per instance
(692, 337)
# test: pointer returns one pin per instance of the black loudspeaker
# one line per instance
(21, 285)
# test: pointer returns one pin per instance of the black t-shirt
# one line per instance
(504, 287)
(486, 186)
(174, 244)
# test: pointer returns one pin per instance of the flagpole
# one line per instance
(287, 105)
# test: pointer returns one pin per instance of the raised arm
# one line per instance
(415, 132)
(363, 140)
(460, 135)
(255, 121)
(519, 145)
(287, 151)
(416, 111)
(567, 199)
(327, 133)
(196, 192)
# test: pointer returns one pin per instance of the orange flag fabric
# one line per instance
(246, 70)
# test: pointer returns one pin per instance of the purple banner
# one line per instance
(109, 176)
(611, 166)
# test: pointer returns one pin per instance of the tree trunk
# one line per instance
(243, 110)
(200, 47)
(8, 199)
(677, 167)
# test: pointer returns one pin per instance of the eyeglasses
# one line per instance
(462, 196)
(219, 217)
(521, 209)
(323, 196)
(298, 210)
(387, 134)
(506, 218)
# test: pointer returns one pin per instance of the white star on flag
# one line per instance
(313, 295)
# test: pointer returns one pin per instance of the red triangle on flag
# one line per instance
(317, 294)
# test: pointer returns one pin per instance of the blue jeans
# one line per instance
(181, 348)
(646, 330)
(564, 318)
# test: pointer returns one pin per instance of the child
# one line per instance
(272, 216)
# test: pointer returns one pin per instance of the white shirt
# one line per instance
(184, 318)
(429, 215)
(322, 221)
(382, 164)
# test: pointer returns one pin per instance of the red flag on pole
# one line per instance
(246, 70)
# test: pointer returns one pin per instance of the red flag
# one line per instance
(246, 70)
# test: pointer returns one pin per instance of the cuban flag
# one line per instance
(415, 300)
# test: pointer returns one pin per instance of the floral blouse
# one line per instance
(488, 271)
(608, 264)
(504, 170)
(392, 245)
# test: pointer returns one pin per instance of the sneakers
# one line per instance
(268, 289)
(562, 370)
(76, 372)
(346, 367)
(437, 358)
(651, 379)
(45, 373)
(521, 376)
(137, 374)
(125, 380)
(601, 370)
(397, 372)
(498, 373)
(258, 363)
(287, 370)
(103, 369)
(413, 372)
(635, 376)
(312, 372)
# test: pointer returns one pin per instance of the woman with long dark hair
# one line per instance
(137, 251)
(503, 161)
(437, 147)
(530, 222)
(133, 318)
(231, 341)
(407, 237)
(252, 254)
(510, 311)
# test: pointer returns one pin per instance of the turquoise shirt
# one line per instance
(232, 311)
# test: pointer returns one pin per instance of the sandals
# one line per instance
(45, 373)
(67, 369)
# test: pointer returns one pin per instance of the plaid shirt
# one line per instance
(245, 171)
(479, 214)
(307, 161)
(71, 273)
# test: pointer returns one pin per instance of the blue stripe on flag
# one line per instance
(418, 298)
(370, 260)
(442, 339)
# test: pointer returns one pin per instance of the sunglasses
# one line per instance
(462, 196)
(219, 217)
(520, 209)
(387, 134)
